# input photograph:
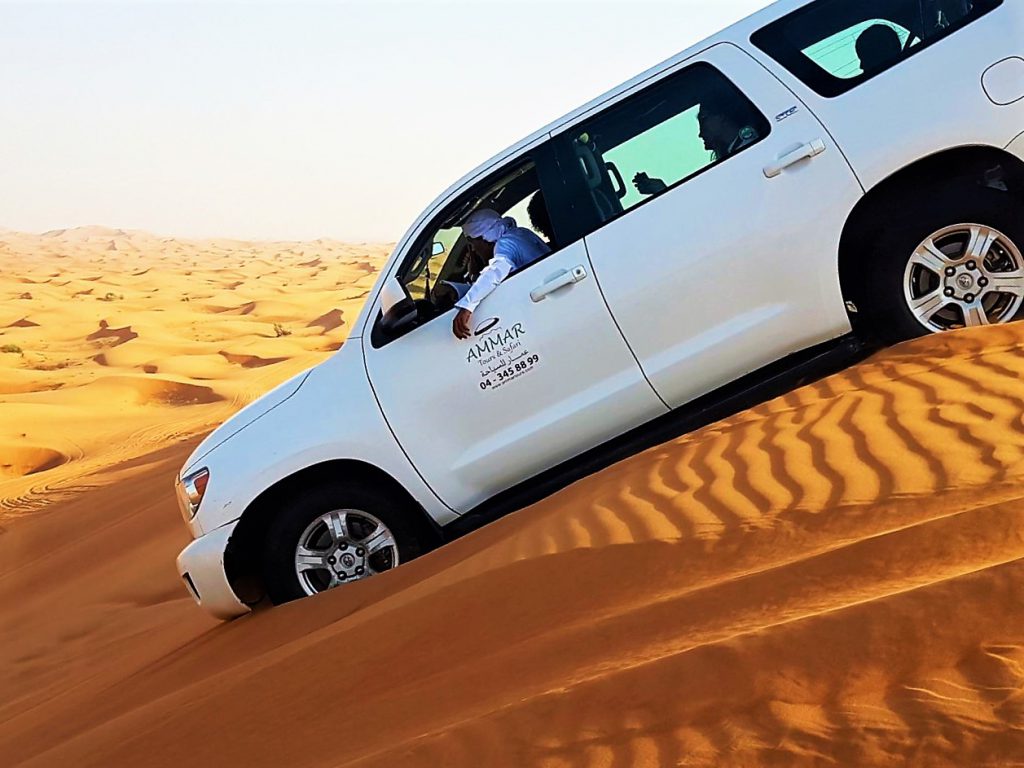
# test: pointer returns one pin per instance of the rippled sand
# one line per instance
(832, 578)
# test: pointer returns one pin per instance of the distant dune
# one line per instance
(128, 341)
(833, 578)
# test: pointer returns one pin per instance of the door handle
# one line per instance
(558, 281)
(805, 152)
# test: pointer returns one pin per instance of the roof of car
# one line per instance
(738, 33)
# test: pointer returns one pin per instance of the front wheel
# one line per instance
(335, 535)
(955, 262)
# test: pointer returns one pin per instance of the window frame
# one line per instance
(771, 40)
(588, 219)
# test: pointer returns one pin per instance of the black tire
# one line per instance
(883, 312)
(404, 520)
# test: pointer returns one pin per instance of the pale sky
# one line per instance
(296, 121)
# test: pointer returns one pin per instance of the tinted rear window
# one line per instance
(657, 139)
(835, 45)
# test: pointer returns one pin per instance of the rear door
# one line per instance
(898, 80)
(716, 256)
(545, 376)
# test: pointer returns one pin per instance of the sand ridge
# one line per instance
(116, 342)
(831, 578)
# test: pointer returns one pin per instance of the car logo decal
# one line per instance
(788, 113)
(487, 326)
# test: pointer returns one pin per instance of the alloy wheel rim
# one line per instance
(965, 275)
(342, 546)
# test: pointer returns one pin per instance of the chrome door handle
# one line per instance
(558, 281)
(806, 152)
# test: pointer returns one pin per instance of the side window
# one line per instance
(658, 139)
(443, 261)
(835, 45)
(847, 54)
(442, 264)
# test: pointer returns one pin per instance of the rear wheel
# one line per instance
(335, 535)
(956, 262)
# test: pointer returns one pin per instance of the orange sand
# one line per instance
(117, 330)
(832, 578)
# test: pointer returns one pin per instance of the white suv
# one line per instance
(819, 170)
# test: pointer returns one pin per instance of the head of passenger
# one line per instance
(878, 46)
(483, 229)
(539, 217)
(719, 127)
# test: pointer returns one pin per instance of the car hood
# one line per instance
(252, 413)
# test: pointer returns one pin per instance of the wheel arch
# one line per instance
(969, 165)
(241, 560)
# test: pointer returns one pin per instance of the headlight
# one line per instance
(190, 492)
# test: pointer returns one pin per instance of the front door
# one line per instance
(545, 376)
(716, 235)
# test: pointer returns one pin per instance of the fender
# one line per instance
(334, 415)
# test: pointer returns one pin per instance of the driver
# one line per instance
(724, 134)
(504, 247)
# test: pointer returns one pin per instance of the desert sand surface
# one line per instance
(114, 342)
(831, 578)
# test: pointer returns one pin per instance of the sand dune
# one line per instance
(20, 460)
(118, 349)
(329, 320)
(251, 361)
(114, 335)
(832, 578)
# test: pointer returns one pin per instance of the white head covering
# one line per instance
(488, 225)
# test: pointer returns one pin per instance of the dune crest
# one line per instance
(20, 460)
(251, 361)
(118, 335)
(23, 323)
(329, 320)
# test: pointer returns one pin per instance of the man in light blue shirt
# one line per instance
(505, 247)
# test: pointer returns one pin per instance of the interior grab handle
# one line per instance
(805, 152)
(620, 186)
(558, 281)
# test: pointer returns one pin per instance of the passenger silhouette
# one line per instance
(539, 217)
(878, 46)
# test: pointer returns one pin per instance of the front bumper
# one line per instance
(201, 567)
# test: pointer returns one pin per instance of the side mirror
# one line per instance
(392, 294)
(400, 319)
(437, 249)
(399, 313)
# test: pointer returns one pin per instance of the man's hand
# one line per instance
(461, 324)
(645, 185)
